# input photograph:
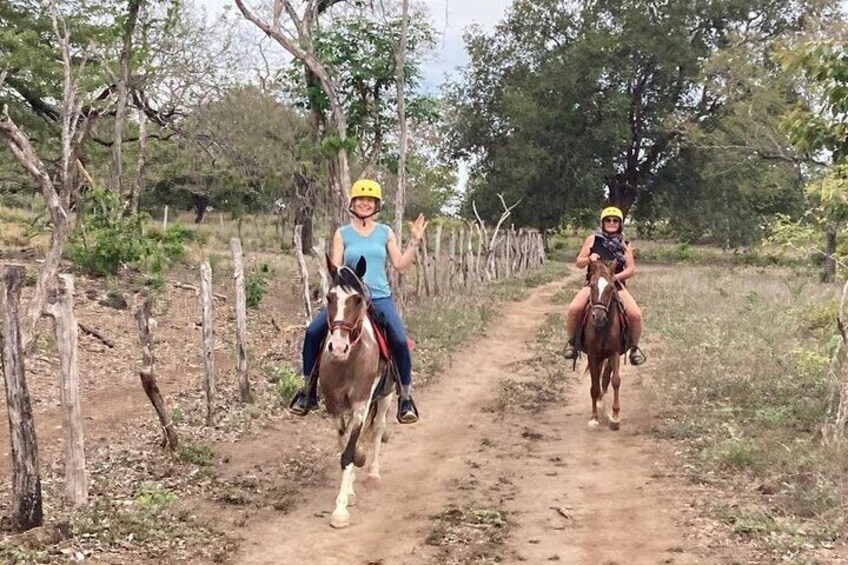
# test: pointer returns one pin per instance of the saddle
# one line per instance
(389, 371)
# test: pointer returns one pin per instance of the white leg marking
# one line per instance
(341, 517)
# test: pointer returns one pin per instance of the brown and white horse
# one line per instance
(349, 374)
(602, 341)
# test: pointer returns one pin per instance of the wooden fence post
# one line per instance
(241, 321)
(320, 250)
(469, 258)
(209, 384)
(451, 260)
(60, 307)
(304, 272)
(425, 261)
(437, 255)
(27, 512)
(146, 325)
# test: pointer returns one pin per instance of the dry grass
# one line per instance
(741, 380)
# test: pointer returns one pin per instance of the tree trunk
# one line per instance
(200, 203)
(133, 7)
(305, 209)
(400, 86)
(61, 309)
(241, 322)
(209, 384)
(304, 272)
(147, 373)
(323, 276)
(26, 510)
(141, 166)
(829, 267)
(24, 153)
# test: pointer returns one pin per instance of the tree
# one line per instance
(573, 105)
(819, 123)
(295, 34)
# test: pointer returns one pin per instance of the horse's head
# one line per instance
(602, 290)
(347, 304)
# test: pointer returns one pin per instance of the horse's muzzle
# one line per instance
(339, 348)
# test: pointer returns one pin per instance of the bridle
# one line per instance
(602, 306)
(353, 328)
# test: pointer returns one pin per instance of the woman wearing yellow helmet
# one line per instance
(607, 244)
(376, 242)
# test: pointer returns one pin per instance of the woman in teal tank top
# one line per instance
(365, 237)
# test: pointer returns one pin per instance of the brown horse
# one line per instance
(354, 380)
(602, 340)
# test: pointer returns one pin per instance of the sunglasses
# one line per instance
(612, 220)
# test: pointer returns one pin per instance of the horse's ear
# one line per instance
(331, 268)
(610, 265)
(360, 267)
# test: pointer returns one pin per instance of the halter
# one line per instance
(357, 323)
(601, 305)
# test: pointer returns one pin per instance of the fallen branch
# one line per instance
(186, 286)
(96, 333)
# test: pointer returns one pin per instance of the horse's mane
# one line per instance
(346, 279)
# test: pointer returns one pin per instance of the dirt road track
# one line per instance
(577, 496)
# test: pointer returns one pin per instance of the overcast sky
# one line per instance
(450, 18)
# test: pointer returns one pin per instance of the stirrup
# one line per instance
(637, 356)
(570, 351)
(301, 404)
(410, 416)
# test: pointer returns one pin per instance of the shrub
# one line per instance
(255, 285)
(284, 381)
(109, 240)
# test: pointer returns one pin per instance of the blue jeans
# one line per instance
(386, 315)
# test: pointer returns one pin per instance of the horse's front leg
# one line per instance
(347, 439)
(615, 364)
(595, 389)
(383, 407)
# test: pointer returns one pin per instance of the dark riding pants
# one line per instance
(386, 315)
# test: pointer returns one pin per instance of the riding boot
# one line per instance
(636, 356)
(570, 352)
(407, 412)
(306, 398)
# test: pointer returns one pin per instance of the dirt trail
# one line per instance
(577, 496)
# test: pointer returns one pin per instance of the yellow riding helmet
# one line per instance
(612, 212)
(366, 187)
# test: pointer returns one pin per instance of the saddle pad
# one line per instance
(385, 351)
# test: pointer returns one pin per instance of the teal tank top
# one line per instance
(373, 248)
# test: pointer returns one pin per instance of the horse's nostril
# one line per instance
(347, 348)
(330, 346)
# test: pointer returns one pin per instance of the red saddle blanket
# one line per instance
(385, 351)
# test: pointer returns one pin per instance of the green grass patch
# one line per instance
(195, 454)
(673, 252)
(743, 381)
(285, 382)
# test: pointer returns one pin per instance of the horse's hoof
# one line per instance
(593, 423)
(615, 426)
(340, 520)
(373, 477)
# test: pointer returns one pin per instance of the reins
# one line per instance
(357, 323)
